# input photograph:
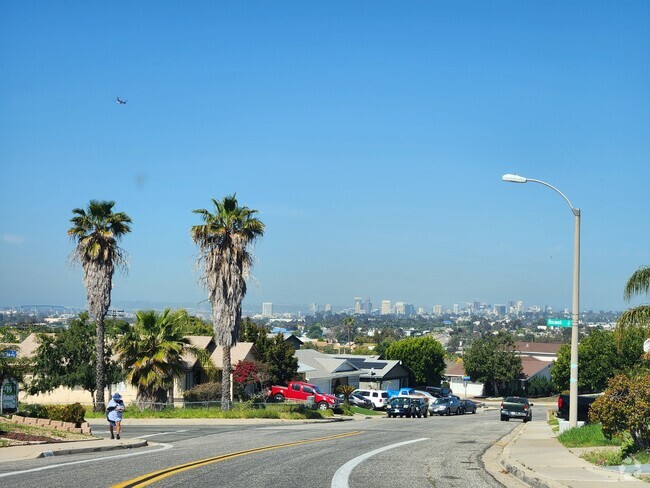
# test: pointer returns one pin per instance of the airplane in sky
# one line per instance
(120, 101)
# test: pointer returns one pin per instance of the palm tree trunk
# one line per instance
(225, 379)
(100, 405)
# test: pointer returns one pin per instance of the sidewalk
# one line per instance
(534, 455)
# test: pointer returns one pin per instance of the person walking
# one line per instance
(114, 414)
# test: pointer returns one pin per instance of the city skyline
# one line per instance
(371, 138)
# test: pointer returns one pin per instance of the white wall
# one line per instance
(457, 385)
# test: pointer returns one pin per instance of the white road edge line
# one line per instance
(105, 458)
(340, 479)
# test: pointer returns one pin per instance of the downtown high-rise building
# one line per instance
(358, 305)
(385, 307)
(367, 306)
(328, 307)
(267, 309)
(437, 310)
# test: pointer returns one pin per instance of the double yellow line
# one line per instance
(150, 478)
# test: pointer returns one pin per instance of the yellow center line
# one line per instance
(154, 476)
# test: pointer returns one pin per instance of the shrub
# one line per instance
(205, 392)
(33, 410)
(74, 413)
(624, 409)
(539, 387)
(68, 413)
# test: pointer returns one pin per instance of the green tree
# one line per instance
(191, 324)
(637, 317)
(381, 347)
(64, 359)
(11, 367)
(151, 354)
(315, 332)
(599, 359)
(280, 357)
(424, 356)
(97, 230)
(493, 359)
(223, 240)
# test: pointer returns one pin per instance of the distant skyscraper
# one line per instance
(328, 307)
(455, 308)
(358, 304)
(500, 309)
(367, 306)
(437, 310)
(385, 307)
(267, 309)
(313, 308)
(420, 310)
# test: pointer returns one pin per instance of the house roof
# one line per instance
(530, 367)
(28, 347)
(200, 342)
(537, 347)
(242, 351)
(370, 365)
(324, 365)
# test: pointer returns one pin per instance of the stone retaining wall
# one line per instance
(52, 424)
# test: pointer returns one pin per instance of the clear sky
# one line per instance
(370, 135)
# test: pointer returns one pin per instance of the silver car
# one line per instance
(446, 406)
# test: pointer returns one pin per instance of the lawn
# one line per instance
(17, 434)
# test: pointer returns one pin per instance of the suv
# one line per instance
(379, 398)
(405, 406)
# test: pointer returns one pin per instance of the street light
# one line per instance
(573, 384)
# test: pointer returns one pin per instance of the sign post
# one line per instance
(465, 380)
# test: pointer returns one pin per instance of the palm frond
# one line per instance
(638, 283)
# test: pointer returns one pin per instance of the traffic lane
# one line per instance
(414, 465)
(114, 467)
(312, 464)
(451, 458)
(109, 468)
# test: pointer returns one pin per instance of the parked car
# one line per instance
(301, 391)
(516, 408)
(584, 404)
(438, 392)
(405, 407)
(430, 399)
(356, 400)
(446, 406)
(379, 398)
(467, 406)
(422, 406)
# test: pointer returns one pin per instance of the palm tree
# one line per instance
(97, 231)
(637, 317)
(223, 240)
(152, 354)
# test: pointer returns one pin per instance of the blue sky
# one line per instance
(371, 137)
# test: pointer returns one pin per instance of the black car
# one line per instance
(467, 406)
(406, 407)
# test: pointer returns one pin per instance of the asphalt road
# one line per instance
(379, 452)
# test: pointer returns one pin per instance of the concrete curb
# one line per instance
(80, 450)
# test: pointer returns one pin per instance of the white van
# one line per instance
(379, 398)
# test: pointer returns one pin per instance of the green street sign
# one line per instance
(558, 323)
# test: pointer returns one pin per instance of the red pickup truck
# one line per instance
(300, 391)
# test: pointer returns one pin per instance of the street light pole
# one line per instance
(573, 384)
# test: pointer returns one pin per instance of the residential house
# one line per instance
(379, 374)
(325, 371)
